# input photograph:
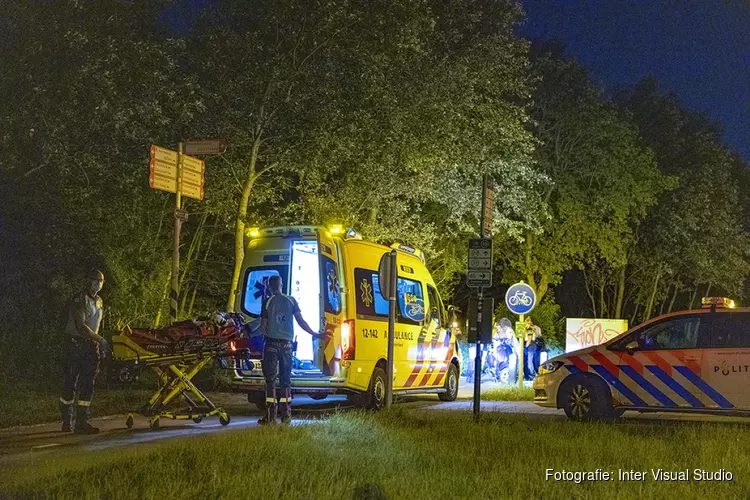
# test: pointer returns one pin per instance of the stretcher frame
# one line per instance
(175, 373)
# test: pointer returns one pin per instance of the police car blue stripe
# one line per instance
(675, 386)
(703, 386)
(573, 369)
(617, 384)
(648, 386)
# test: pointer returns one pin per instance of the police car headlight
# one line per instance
(549, 367)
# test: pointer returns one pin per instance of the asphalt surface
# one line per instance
(27, 443)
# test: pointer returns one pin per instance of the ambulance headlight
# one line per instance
(550, 367)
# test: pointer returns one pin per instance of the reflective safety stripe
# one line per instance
(285, 400)
(66, 402)
(270, 400)
(84, 403)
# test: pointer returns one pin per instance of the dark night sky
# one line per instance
(697, 50)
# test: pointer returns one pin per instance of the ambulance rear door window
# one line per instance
(370, 305)
(256, 287)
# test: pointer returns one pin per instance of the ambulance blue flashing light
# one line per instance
(717, 302)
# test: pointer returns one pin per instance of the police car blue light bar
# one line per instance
(721, 302)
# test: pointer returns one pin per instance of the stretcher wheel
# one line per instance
(198, 420)
(154, 423)
(224, 420)
(129, 422)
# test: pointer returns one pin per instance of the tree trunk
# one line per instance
(195, 246)
(674, 297)
(192, 301)
(239, 230)
(589, 292)
(692, 297)
(708, 290)
(650, 303)
(620, 293)
(602, 304)
(529, 270)
(635, 314)
(157, 320)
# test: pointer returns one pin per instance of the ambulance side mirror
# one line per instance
(434, 315)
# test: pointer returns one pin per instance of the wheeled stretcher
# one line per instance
(176, 354)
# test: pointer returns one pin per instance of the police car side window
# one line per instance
(679, 333)
(730, 330)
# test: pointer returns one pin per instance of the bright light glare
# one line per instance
(305, 287)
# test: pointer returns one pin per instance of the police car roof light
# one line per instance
(720, 302)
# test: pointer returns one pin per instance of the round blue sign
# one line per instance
(520, 298)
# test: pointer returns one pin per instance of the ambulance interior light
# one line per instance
(718, 302)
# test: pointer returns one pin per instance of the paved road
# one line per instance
(29, 442)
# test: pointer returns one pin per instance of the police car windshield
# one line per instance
(256, 287)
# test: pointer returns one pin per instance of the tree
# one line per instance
(602, 178)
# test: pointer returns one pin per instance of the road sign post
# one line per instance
(520, 299)
(479, 275)
(388, 284)
(175, 172)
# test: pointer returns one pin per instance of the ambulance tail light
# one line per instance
(348, 339)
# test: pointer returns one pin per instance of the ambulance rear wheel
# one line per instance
(377, 390)
(451, 385)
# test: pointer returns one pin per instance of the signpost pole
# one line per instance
(478, 359)
(174, 293)
(521, 355)
(391, 330)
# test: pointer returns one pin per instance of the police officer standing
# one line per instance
(277, 324)
(84, 348)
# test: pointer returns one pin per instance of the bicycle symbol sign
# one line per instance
(520, 298)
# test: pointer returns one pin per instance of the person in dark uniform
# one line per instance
(84, 347)
(277, 324)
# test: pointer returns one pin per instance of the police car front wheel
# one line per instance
(584, 399)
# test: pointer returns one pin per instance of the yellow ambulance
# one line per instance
(333, 275)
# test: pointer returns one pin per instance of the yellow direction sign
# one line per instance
(163, 169)
(193, 171)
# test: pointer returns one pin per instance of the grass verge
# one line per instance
(509, 394)
(38, 406)
(402, 454)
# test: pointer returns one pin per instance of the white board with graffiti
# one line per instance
(586, 332)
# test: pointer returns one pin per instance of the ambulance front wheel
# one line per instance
(451, 385)
(376, 394)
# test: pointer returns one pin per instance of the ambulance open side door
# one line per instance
(329, 349)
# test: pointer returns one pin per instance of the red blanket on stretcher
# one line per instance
(189, 336)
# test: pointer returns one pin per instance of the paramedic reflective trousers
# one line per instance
(80, 368)
(277, 362)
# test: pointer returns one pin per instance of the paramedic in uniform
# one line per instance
(84, 347)
(277, 324)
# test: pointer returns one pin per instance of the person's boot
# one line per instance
(270, 417)
(66, 413)
(82, 422)
(285, 408)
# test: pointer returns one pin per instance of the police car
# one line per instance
(688, 361)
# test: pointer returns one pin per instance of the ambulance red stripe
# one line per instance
(444, 368)
(420, 358)
(433, 362)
